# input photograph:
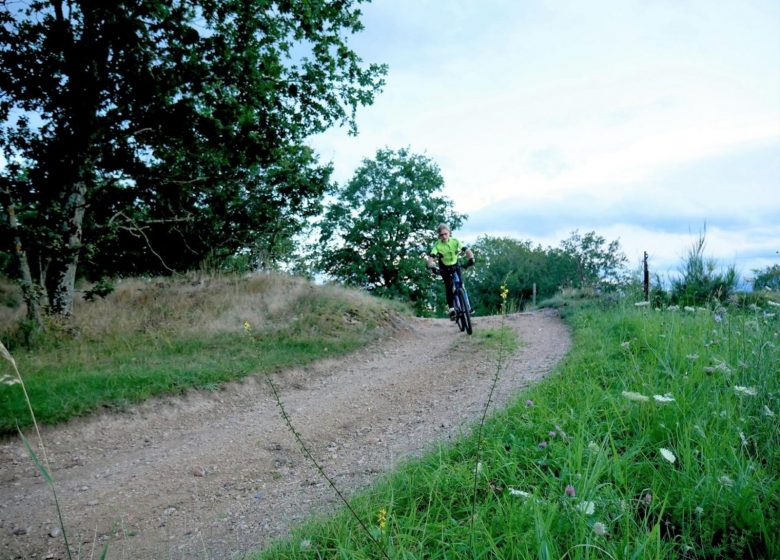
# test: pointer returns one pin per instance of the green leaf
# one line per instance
(37, 462)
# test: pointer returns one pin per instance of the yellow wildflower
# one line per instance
(382, 518)
(247, 327)
(504, 292)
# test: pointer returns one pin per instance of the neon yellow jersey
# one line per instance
(447, 253)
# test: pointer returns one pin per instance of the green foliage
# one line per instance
(597, 264)
(767, 279)
(143, 136)
(379, 228)
(582, 261)
(518, 265)
(700, 282)
(101, 289)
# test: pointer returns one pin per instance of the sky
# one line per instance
(644, 121)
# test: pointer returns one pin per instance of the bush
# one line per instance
(767, 279)
(701, 282)
(101, 288)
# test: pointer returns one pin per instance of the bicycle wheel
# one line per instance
(459, 311)
(467, 319)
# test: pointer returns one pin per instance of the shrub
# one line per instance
(701, 282)
(767, 279)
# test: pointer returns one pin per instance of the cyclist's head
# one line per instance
(441, 228)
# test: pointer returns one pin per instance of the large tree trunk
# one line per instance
(31, 291)
(62, 270)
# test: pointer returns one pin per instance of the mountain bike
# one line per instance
(460, 299)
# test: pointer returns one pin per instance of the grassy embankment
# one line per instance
(656, 438)
(154, 338)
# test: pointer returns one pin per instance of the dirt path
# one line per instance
(217, 473)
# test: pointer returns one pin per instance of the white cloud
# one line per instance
(639, 120)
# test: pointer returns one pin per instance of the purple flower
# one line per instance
(551, 434)
(570, 491)
(529, 402)
(542, 445)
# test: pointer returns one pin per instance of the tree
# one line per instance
(767, 279)
(157, 112)
(596, 264)
(504, 261)
(257, 216)
(380, 226)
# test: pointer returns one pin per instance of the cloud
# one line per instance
(734, 195)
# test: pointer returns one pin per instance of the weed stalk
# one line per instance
(499, 366)
(43, 467)
(310, 457)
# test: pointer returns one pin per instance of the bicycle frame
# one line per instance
(461, 301)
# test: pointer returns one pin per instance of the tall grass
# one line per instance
(657, 438)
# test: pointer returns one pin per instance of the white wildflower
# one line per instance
(673, 308)
(664, 398)
(768, 411)
(745, 390)
(305, 544)
(642, 304)
(9, 380)
(593, 446)
(692, 357)
(690, 309)
(599, 528)
(520, 493)
(743, 438)
(668, 455)
(625, 344)
(726, 481)
(719, 366)
(634, 396)
(773, 303)
(586, 507)
(6, 354)
(699, 510)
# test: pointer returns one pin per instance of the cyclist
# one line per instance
(446, 251)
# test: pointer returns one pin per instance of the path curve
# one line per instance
(213, 474)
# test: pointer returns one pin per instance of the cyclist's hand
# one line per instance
(470, 263)
(433, 270)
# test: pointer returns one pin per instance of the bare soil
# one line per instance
(217, 473)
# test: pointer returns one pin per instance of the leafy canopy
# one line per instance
(382, 223)
(132, 125)
(598, 263)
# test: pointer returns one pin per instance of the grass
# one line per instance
(163, 338)
(656, 438)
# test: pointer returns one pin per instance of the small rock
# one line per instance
(169, 511)
(19, 531)
(198, 471)
(92, 503)
(54, 532)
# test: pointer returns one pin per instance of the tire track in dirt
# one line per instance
(214, 474)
